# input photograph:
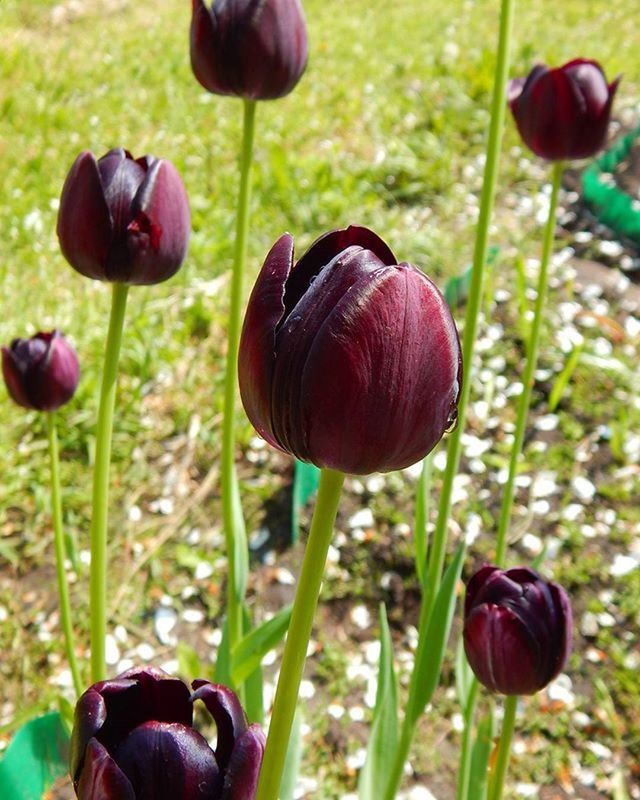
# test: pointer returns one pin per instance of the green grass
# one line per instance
(385, 130)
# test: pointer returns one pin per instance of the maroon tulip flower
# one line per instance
(123, 219)
(256, 49)
(563, 113)
(42, 372)
(349, 359)
(133, 739)
(517, 629)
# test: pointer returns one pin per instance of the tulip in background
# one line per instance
(127, 221)
(351, 361)
(517, 629)
(348, 359)
(124, 219)
(255, 49)
(133, 739)
(42, 372)
(563, 113)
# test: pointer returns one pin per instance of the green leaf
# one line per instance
(189, 664)
(222, 670)
(254, 684)
(249, 652)
(456, 289)
(464, 675)
(240, 548)
(37, 756)
(420, 534)
(67, 710)
(306, 478)
(383, 740)
(292, 761)
(555, 396)
(480, 756)
(432, 638)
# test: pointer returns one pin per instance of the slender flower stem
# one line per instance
(295, 649)
(230, 505)
(58, 534)
(504, 749)
(530, 368)
(474, 301)
(436, 560)
(464, 768)
(100, 511)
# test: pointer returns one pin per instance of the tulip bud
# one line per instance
(124, 219)
(563, 113)
(517, 629)
(42, 372)
(133, 739)
(249, 48)
(348, 360)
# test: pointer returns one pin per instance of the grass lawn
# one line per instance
(387, 130)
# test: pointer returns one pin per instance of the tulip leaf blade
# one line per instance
(189, 664)
(480, 755)
(254, 683)
(383, 739)
(222, 669)
(433, 636)
(292, 761)
(37, 756)
(464, 675)
(240, 547)
(251, 649)
(420, 534)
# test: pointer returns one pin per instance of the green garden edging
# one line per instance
(611, 205)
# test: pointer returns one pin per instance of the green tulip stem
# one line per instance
(229, 480)
(464, 768)
(504, 748)
(295, 650)
(474, 301)
(100, 509)
(530, 367)
(58, 538)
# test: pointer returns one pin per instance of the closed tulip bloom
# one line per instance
(256, 49)
(123, 219)
(563, 113)
(348, 360)
(41, 373)
(133, 739)
(517, 629)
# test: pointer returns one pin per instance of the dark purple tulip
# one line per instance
(563, 113)
(349, 359)
(256, 49)
(41, 372)
(517, 629)
(124, 219)
(133, 739)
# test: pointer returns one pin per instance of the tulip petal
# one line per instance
(52, 382)
(166, 761)
(14, 371)
(241, 775)
(159, 225)
(391, 350)
(84, 223)
(224, 706)
(101, 778)
(203, 45)
(257, 344)
(324, 250)
(493, 636)
(109, 710)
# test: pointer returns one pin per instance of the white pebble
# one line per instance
(194, 616)
(362, 519)
(360, 616)
(623, 565)
(112, 651)
(583, 488)
(164, 621)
